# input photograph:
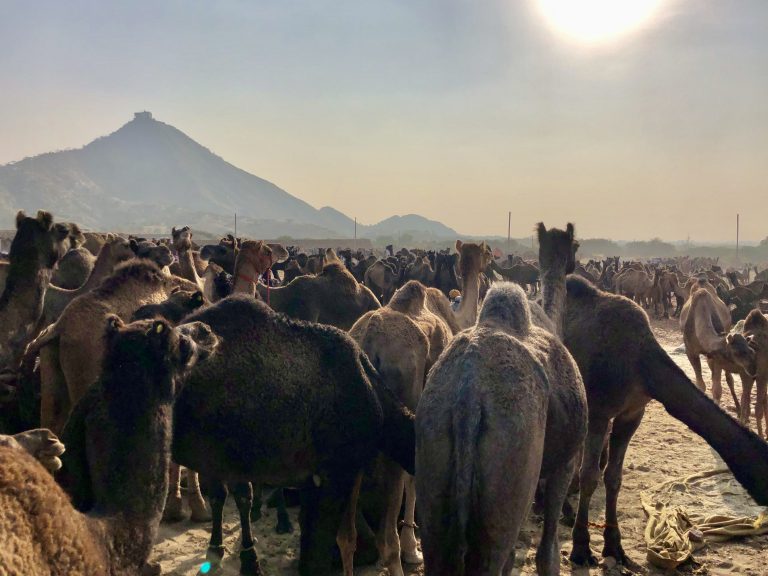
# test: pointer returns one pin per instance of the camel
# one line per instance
(159, 254)
(36, 247)
(323, 420)
(95, 240)
(73, 269)
(381, 279)
(705, 320)
(332, 297)
(226, 251)
(127, 433)
(475, 480)
(40, 443)
(71, 350)
(525, 274)
(113, 252)
(633, 283)
(189, 261)
(473, 259)
(179, 304)
(403, 340)
(624, 367)
(750, 351)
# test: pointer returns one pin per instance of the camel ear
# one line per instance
(570, 230)
(45, 218)
(134, 245)
(20, 218)
(114, 323)
(158, 327)
(173, 231)
(459, 244)
(197, 298)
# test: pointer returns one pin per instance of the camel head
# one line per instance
(160, 255)
(473, 258)
(181, 238)
(38, 238)
(72, 237)
(259, 255)
(557, 248)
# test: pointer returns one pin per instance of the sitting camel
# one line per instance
(476, 480)
(292, 404)
(128, 432)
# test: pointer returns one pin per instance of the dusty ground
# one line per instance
(662, 449)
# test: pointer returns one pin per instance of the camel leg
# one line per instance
(55, 404)
(217, 494)
(548, 553)
(696, 363)
(249, 561)
(387, 539)
(410, 551)
(200, 512)
(761, 405)
(346, 537)
(746, 400)
(622, 433)
(717, 387)
(732, 388)
(284, 525)
(589, 476)
(173, 505)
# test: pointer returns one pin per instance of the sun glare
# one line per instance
(592, 21)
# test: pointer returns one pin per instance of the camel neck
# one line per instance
(245, 279)
(187, 266)
(466, 315)
(101, 269)
(553, 297)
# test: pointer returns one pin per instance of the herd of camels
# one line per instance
(353, 379)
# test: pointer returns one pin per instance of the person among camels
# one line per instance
(475, 480)
(403, 340)
(128, 431)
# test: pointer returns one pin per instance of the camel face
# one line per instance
(558, 246)
(41, 235)
(181, 239)
(160, 255)
(473, 258)
(742, 353)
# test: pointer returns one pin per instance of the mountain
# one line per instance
(148, 176)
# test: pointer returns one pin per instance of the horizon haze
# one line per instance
(456, 111)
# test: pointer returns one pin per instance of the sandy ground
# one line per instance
(662, 449)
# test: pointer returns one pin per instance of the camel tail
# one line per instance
(466, 426)
(745, 453)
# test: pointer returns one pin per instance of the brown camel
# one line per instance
(750, 351)
(624, 367)
(381, 278)
(633, 283)
(73, 269)
(403, 340)
(705, 320)
(113, 252)
(35, 249)
(332, 297)
(71, 350)
(189, 263)
(475, 480)
(40, 443)
(126, 432)
(473, 259)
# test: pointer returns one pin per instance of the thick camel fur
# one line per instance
(124, 441)
(286, 403)
(500, 392)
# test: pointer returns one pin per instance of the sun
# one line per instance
(593, 21)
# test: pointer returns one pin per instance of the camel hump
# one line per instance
(410, 297)
(755, 321)
(506, 306)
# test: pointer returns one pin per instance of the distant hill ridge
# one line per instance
(149, 176)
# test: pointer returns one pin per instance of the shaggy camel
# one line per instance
(179, 304)
(403, 340)
(127, 432)
(476, 480)
(71, 350)
(332, 297)
(73, 269)
(35, 249)
(624, 367)
(705, 320)
(293, 404)
(750, 351)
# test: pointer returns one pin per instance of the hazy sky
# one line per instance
(459, 110)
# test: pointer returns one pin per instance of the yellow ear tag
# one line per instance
(159, 328)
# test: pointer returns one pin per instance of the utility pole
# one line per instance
(737, 236)
(355, 232)
(235, 228)
(509, 230)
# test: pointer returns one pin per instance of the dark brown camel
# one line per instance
(624, 367)
(290, 404)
